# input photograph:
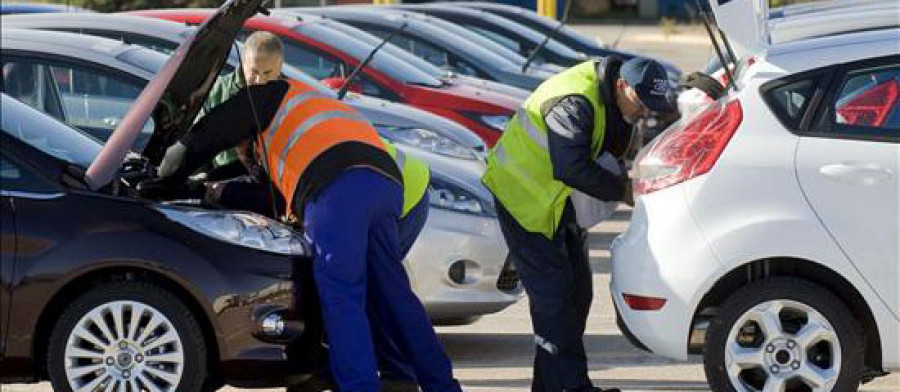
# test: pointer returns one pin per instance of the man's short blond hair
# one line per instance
(264, 43)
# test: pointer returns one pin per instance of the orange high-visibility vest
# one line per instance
(312, 139)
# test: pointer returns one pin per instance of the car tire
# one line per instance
(98, 340)
(784, 331)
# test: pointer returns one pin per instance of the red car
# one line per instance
(331, 55)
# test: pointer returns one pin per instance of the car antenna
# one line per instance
(343, 91)
(549, 35)
(707, 22)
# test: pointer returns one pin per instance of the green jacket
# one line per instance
(226, 86)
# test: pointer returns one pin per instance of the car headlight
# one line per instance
(240, 228)
(444, 193)
(497, 122)
(427, 140)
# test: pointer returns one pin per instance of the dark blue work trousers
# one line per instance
(353, 225)
(392, 364)
(556, 274)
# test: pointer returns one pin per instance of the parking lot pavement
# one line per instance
(495, 353)
(686, 46)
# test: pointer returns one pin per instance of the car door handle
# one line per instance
(857, 173)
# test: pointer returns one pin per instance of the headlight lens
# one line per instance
(497, 122)
(240, 228)
(444, 193)
(427, 140)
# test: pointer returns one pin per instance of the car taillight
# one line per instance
(871, 107)
(638, 302)
(688, 150)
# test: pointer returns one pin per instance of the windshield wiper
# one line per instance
(709, 22)
(349, 80)
(550, 34)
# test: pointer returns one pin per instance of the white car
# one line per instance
(765, 229)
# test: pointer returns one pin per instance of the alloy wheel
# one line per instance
(124, 346)
(780, 346)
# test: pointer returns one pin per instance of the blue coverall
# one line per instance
(353, 225)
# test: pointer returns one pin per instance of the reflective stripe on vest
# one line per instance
(534, 131)
(288, 106)
(306, 125)
(520, 173)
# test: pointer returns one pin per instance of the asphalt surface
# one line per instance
(495, 353)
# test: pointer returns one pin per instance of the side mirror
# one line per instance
(337, 83)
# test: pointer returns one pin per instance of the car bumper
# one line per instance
(256, 285)
(452, 237)
(663, 257)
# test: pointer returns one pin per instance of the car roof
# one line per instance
(819, 6)
(79, 46)
(495, 21)
(201, 14)
(101, 22)
(420, 25)
(799, 56)
(832, 22)
(38, 8)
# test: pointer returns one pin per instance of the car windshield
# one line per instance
(487, 50)
(47, 134)
(545, 25)
(517, 31)
(383, 62)
(392, 49)
(303, 77)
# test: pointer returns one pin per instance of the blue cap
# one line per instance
(650, 81)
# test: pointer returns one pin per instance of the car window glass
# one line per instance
(391, 48)
(791, 100)
(463, 67)
(97, 101)
(420, 48)
(46, 134)
(33, 85)
(496, 37)
(317, 64)
(383, 61)
(21, 178)
(868, 102)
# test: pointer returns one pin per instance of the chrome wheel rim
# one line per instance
(781, 346)
(124, 346)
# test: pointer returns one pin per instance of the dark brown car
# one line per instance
(103, 290)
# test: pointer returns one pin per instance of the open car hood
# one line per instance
(745, 23)
(176, 93)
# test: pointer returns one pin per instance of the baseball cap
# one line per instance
(650, 81)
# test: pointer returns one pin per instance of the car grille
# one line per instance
(509, 278)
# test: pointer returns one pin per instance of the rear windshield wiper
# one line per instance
(550, 34)
(349, 80)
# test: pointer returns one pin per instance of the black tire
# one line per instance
(182, 320)
(847, 329)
